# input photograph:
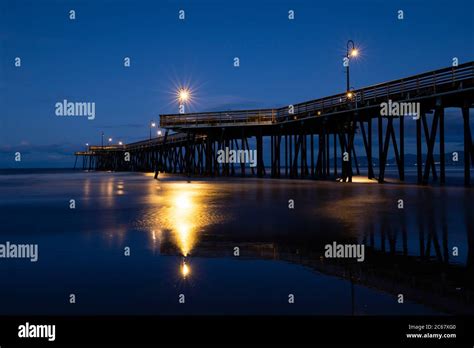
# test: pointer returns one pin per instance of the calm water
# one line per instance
(182, 236)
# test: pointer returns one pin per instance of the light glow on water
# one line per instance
(185, 270)
(181, 210)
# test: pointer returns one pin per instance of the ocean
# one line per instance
(124, 243)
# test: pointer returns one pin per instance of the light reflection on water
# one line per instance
(183, 210)
(177, 213)
(190, 230)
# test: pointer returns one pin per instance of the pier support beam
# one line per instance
(159, 163)
(442, 160)
(430, 138)
(385, 144)
(419, 164)
(367, 139)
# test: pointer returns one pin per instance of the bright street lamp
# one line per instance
(351, 52)
(183, 95)
(152, 125)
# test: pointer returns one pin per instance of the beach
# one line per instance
(135, 245)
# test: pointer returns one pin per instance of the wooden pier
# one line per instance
(314, 139)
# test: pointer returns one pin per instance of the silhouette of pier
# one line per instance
(314, 139)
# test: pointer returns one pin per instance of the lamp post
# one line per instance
(152, 125)
(350, 53)
(102, 139)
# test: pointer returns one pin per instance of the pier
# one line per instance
(313, 139)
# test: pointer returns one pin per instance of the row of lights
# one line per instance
(183, 95)
(109, 140)
(153, 125)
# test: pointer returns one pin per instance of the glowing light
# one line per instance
(153, 124)
(185, 270)
(110, 139)
(120, 143)
(354, 52)
(184, 95)
(183, 201)
(363, 180)
(350, 95)
(185, 237)
(159, 133)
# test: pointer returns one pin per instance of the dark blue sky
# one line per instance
(282, 61)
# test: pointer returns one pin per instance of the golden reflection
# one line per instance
(110, 187)
(156, 237)
(87, 187)
(183, 213)
(360, 179)
(120, 188)
(106, 189)
(355, 207)
(363, 180)
(185, 270)
(182, 210)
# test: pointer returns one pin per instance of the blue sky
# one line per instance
(281, 61)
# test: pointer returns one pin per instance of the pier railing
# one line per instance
(106, 148)
(425, 84)
(259, 116)
(170, 139)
